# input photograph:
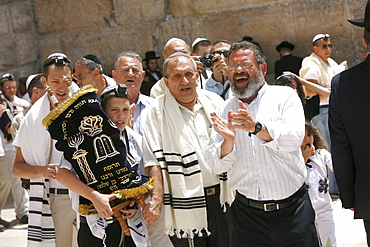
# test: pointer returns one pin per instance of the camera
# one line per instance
(207, 60)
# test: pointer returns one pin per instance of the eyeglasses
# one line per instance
(225, 53)
(325, 46)
(8, 87)
(245, 65)
(7, 76)
(80, 78)
(117, 91)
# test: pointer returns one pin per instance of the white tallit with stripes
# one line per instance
(32, 135)
(168, 143)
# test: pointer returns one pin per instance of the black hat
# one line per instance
(285, 44)
(365, 22)
(150, 55)
(93, 58)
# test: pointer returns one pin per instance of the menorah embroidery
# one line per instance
(80, 156)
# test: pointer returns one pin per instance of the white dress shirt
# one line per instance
(258, 169)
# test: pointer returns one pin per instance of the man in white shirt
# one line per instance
(256, 139)
(176, 131)
(37, 158)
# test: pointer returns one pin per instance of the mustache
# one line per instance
(245, 74)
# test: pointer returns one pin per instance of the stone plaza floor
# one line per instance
(349, 232)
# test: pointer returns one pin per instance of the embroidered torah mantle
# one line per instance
(92, 144)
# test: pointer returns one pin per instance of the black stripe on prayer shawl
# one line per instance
(177, 163)
(37, 183)
(223, 176)
(184, 203)
(38, 199)
(186, 175)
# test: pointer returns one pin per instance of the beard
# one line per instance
(249, 90)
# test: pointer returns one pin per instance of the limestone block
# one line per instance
(105, 43)
(190, 7)
(7, 51)
(21, 14)
(5, 20)
(27, 48)
(133, 12)
(54, 16)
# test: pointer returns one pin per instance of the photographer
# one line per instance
(218, 81)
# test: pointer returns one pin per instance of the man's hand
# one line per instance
(152, 212)
(48, 171)
(243, 119)
(129, 213)
(224, 127)
(200, 65)
(219, 64)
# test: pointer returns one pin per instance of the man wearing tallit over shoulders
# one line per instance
(51, 219)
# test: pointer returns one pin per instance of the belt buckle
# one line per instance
(270, 207)
(211, 191)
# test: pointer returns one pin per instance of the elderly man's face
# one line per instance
(182, 80)
(246, 76)
(130, 72)
(323, 49)
(9, 89)
(83, 76)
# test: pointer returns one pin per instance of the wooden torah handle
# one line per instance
(117, 213)
(141, 201)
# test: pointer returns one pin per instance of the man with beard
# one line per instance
(256, 139)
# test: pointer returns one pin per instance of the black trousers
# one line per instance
(291, 226)
(114, 234)
(217, 225)
(367, 229)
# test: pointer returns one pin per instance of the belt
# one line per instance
(58, 191)
(324, 106)
(212, 190)
(272, 205)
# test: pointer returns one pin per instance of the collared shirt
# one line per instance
(218, 88)
(200, 126)
(258, 169)
(143, 102)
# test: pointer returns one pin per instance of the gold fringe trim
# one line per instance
(124, 194)
(65, 104)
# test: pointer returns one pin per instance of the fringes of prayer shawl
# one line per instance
(172, 145)
(41, 226)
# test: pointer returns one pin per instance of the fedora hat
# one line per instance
(285, 44)
(365, 22)
(150, 55)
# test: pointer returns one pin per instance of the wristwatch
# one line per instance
(257, 128)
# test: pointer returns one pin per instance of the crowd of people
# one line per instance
(225, 158)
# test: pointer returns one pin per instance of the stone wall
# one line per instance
(32, 29)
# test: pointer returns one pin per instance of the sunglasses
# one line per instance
(59, 61)
(119, 91)
(8, 76)
(225, 53)
(325, 46)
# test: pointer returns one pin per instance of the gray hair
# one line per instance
(175, 57)
(128, 54)
(91, 65)
(258, 53)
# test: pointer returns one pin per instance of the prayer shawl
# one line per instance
(170, 144)
(33, 135)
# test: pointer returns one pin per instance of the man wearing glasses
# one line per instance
(51, 218)
(319, 68)
(218, 81)
(89, 72)
(256, 139)
(9, 107)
